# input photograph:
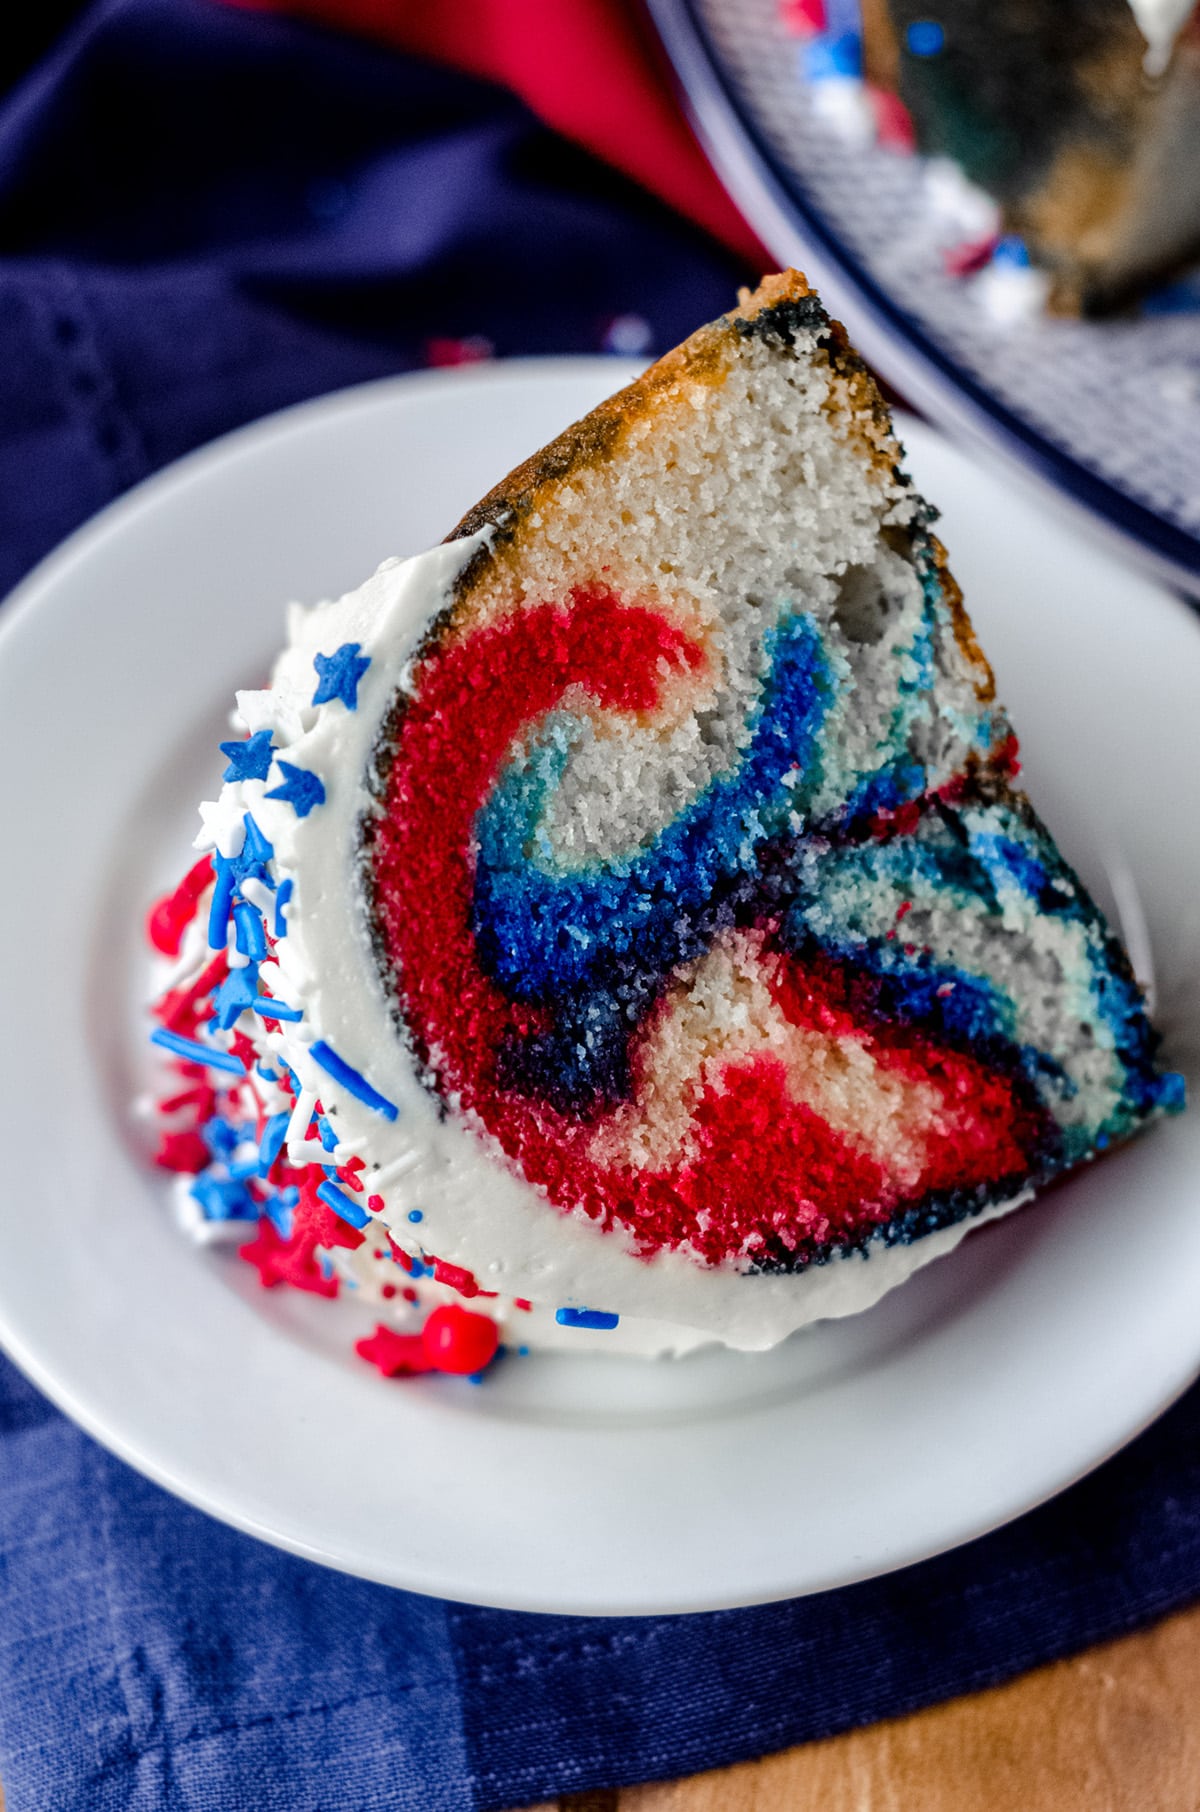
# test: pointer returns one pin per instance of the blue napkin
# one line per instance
(203, 216)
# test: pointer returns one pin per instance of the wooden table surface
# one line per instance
(1115, 1730)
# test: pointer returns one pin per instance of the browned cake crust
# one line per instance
(782, 303)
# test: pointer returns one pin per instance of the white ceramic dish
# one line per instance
(986, 1384)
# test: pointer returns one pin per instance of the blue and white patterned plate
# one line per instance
(1107, 412)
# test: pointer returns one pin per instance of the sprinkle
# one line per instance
(221, 1136)
(396, 1355)
(257, 847)
(1012, 252)
(343, 1205)
(826, 58)
(223, 1199)
(338, 675)
(271, 1144)
(806, 17)
(456, 1277)
(925, 38)
(270, 1008)
(443, 351)
(238, 991)
(301, 789)
(280, 1211)
(183, 1151)
(249, 759)
(222, 902)
(586, 1318)
(281, 904)
(415, 1215)
(352, 1080)
(195, 1052)
(964, 260)
(249, 933)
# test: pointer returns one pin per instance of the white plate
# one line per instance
(987, 1383)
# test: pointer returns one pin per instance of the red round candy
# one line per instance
(458, 1341)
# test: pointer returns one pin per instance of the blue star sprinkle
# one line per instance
(238, 991)
(301, 789)
(249, 759)
(251, 863)
(352, 1080)
(223, 1199)
(221, 1136)
(338, 675)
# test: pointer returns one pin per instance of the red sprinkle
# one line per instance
(316, 1221)
(396, 1355)
(184, 1151)
(965, 260)
(893, 122)
(805, 17)
(458, 1279)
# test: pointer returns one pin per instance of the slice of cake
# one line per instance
(1081, 117)
(622, 923)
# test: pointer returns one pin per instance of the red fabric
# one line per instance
(588, 68)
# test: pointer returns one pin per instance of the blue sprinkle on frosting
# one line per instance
(269, 1008)
(249, 932)
(338, 675)
(343, 1205)
(598, 1319)
(301, 789)
(352, 1080)
(250, 758)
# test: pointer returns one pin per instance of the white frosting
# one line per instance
(475, 1210)
(1160, 23)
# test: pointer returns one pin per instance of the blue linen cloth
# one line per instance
(203, 216)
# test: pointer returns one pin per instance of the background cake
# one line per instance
(1080, 117)
(622, 925)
